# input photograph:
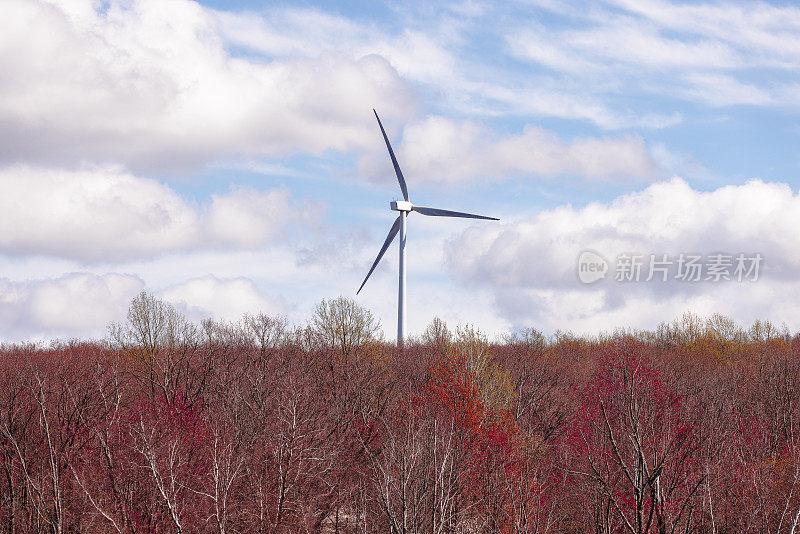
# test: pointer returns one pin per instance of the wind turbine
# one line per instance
(405, 207)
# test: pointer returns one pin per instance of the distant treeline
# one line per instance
(257, 426)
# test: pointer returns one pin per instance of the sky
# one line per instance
(224, 156)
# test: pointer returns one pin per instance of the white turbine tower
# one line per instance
(405, 207)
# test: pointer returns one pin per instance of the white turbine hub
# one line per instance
(401, 205)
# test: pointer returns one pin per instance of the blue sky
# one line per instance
(224, 156)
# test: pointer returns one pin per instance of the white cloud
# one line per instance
(765, 34)
(725, 90)
(83, 304)
(171, 84)
(530, 265)
(434, 52)
(704, 52)
(304, 32)
(72, 305)
(248, 218)
(622, 40)
(438, 149)
(151, 83)
(106, 213)
(220, 298)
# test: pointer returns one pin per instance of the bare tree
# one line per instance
(163, 347)
(153, 324)
(344, 324)
(268, 332)
(437, 334)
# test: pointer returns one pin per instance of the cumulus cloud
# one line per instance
(246, 217)
(72, 305)
(108, 214)
(443, 150)
(220, 298)
(152, 83)
(531, 264)
(82, 305)
(171, 83)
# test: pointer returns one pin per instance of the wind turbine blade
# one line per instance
(389, 238)
(436, 212)
(397, 170)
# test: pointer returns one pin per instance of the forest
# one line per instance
(261, 426)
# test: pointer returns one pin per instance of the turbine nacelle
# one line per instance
(401, 205)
